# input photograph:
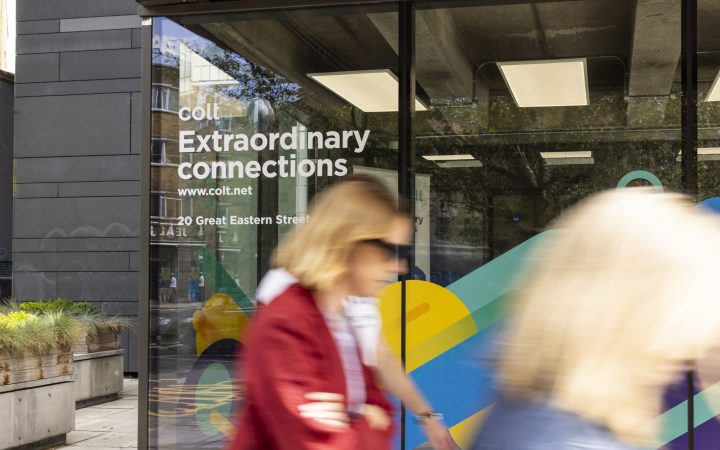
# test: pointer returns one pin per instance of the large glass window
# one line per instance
(522, 110)
(530, 107)
(252, 116)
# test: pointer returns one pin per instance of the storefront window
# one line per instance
(521, 111)
(531, 108)
(248, 124)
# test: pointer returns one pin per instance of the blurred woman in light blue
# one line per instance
(616, 305)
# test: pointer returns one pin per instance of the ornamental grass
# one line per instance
(86, 313)
(23, 333)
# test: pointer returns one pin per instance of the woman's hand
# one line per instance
(438, 435)
(327, 408)
(376, 417)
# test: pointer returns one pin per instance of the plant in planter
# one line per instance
(98, 357)
(36, 376)
(34, 347)
(101, 333)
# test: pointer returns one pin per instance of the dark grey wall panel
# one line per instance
(79, 245)
(131, 351)
(71, 262)
(98, 65)
(129, 337)
(100, 23)
(99, 189)
(137, 38)
(35, 245)
(61, 9)
(77, 87)
(81, 168)
(35, 190)
(135, 124)
(120, 309)
(37, 27)
(73, 42)
(96, 124)
(38, 67)
(77, 175)
(77, 217)
(6, 169)
(97, 245)
(34, 285)
(98, 286)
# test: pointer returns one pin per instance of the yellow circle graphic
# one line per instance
(436, 320)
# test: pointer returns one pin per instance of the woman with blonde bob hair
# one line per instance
(615, 305)
(307, 387)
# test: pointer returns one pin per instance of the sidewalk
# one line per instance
(108, 426)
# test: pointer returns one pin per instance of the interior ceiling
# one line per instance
(640, 42)
(546, 30)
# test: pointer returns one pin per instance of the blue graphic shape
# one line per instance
(711, 204)
(459, 383)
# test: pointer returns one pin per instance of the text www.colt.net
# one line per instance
(215, 191)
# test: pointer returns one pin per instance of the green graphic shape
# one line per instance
(214, 270)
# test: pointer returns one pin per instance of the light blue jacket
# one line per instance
(538, 426)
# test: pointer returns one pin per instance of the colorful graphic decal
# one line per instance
(204, 405)
(451, 333)
(450, 339)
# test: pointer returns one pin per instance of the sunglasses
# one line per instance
(392, 251)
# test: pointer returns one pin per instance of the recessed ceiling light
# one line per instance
(561, 82)
(567, 158)
(369, 90)
(714, 93)
(459, 164)
(448, 157)
(708, 151)
(705, 154)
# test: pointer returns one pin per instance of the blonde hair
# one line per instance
(355, 209)
(613, 307)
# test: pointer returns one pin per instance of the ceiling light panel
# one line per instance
(447, 157)
(567, 158)
(459, 164)
(369, 90)
(547, 83)
(708, 154)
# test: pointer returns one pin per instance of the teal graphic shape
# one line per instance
(673, 423)
(214, 375)
(483, 290)
(641, 175)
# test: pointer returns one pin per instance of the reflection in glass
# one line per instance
(531, 108)
(242, 139)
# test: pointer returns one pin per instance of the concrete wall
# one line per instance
(6, 162)
(77, 161)
(37, 411)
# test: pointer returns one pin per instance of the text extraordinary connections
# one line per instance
(285, 165)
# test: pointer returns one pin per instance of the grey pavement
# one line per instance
(110, 425)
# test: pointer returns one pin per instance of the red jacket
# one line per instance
(291, 353)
